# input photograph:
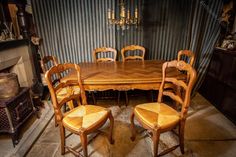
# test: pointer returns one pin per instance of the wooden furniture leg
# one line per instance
(62, 132)
(181, 135)
(118, 99)
(126, 99)
(83, 138)
(94, 99)
(111, 140)
(155, 139)
(132, 127)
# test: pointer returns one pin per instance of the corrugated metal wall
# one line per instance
(71, 29)
(204, 32)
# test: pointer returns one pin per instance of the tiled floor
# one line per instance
(207, 134)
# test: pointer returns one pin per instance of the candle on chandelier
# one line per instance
(122, 14)
(136, 13)
(113, 15)
(109, 14)
(128, 14)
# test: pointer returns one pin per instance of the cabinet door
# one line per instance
(229, 104)
(213, 90)
(219, 86)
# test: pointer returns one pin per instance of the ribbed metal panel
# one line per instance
(205, 32)
(71, 29)
(165, 27)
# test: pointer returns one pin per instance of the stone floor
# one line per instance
(208, 133)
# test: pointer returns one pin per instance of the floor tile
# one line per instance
(208, 133)
(43, 150)
(212, 148)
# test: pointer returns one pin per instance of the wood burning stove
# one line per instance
(14, 112)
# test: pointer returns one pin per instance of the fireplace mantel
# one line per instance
(6, 44)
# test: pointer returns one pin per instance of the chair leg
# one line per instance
(133, 131)
(152, 95)
(94, 99)
(126, 99)
(118, 99)
(155, 139)
(55, 119)
(62, 132)
(111, 140)
(181, 136)
(84, 143)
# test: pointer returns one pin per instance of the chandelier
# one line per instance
(125, 18)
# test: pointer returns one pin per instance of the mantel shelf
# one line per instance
(12, 43)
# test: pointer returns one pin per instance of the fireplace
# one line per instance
(16, 57)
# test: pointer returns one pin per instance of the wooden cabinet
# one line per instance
(219, 86)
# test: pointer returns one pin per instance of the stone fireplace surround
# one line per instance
(16, 57)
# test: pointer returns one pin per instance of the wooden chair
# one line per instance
(46, 63)
(158, 117)
(130, 53)
(188, 57)
(189, 54)
(81, 120)
(104, 54)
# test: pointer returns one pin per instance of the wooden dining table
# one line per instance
(122, 76)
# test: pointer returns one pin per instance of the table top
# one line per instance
(148, 71)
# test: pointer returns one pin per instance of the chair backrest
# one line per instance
(187, 53)
(133, 52)
(188, 57)
(104, 54)
(185, 87)
(68, 84)
(47, 62)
